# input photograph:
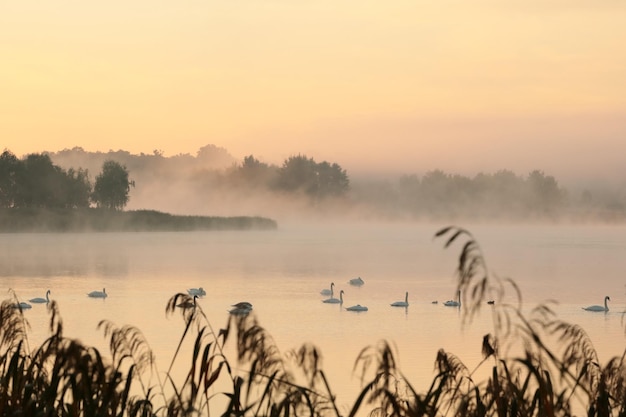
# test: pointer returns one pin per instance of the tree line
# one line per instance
(35, 182)
(213, 177)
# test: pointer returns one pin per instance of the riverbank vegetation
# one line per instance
(534, 365)
(104, 220)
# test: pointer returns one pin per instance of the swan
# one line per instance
(188, 303)
(328, 291)
(22, 305)
(454, 303)
(98, 294)
(599, 308)
(333, 300)
(357, 307)
(40, 300)
(243, 305)
(356, 281)
(196, 291)
(404, 303)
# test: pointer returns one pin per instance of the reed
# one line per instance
(536, 365)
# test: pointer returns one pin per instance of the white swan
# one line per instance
(454, 303)
(333, 300)
(356, 281)
(196, 291)
(328, 291)
(404, 303)
(188, 303)
(40, 300)
(98, 294)
(599, 308)
(22, 305)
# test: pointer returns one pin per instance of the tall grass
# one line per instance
(535, 365)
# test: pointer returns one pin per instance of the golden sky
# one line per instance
(402, 85)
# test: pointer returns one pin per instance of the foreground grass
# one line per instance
(555, 372)
(99, 220)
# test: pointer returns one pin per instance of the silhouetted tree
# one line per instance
(78, 188)
(302, 174)
(298, 174)
(112, 186)
(254, 173)
(10, 167)
(41, 184)
(545, 194)
(332, 180)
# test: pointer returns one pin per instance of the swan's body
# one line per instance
(328, 291)
(404, 303)
(356, 281)
(454, 303)
(40, 300)
(196, 291)
(188, 303)
(98, 294)
(599, 308)
(22, 305)
(357, 307)
(333, 300)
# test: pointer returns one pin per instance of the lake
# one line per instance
(282, 272)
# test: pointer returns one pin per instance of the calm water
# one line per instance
(282, 272)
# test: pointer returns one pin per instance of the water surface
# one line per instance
(282, 272)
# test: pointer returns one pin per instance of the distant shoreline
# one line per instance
(102, 220)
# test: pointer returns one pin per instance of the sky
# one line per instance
(385, 87)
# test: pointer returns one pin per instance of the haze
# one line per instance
(378, 87)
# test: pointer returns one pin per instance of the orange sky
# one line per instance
(406, 85)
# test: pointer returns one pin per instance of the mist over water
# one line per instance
(282, 272)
